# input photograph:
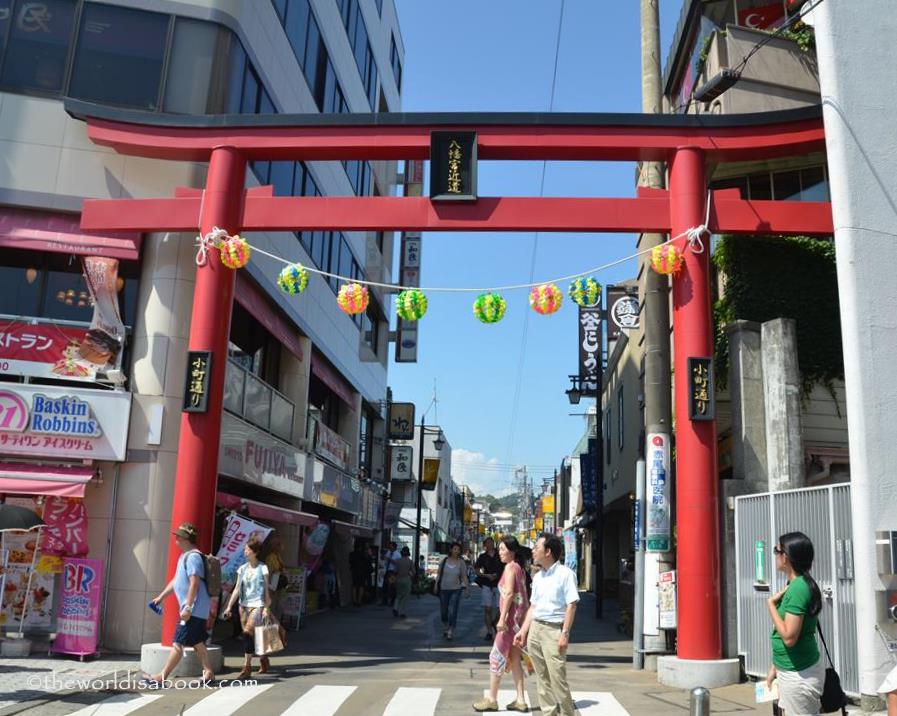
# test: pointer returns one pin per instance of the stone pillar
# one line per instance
(781, 386)
(748, 457)
(294, 379)
(350, 429)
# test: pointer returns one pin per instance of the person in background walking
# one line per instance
(548, 623)
(794, 611)
(452, 578)
(404, 573)
(277, 582)
(359, 566)
(370, 584)
(489, 569)
(255, 600)
(189, 587)
(389, 581)
(513, 606)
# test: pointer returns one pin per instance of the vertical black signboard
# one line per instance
(453, 166)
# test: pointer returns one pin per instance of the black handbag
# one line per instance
(833, 696)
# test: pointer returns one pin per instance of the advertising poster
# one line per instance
(78, 627)
(658, 536)
(293, 601)
(40, 616)
(237, 533)
(666, 586)
(570, 549)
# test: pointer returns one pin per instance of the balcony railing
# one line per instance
(249, 397)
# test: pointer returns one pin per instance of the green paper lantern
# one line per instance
(489, 307)
(293, 279)
(585, 291)
(411, 304)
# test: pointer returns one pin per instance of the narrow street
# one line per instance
(363, 662)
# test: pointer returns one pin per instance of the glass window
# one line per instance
(266, 105)
(20, 290)
(250, 101)
(296, 27)
(786, 186)
(396, 63)
(330, 102)
(282, 177)
(813, 185)
(299, 179)
(5, 13)
(620, 416)
(280, 7)
(67, 297)
(119, 56)
(193, 54)
(312, 50)
(320, 249)
(38, 45)
(760, 187)
(379, 4)
(262, 171)
(333, 266)
(346, 259)
(236, 67)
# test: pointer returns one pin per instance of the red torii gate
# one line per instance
(686, 143)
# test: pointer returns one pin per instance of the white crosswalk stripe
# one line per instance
(413, 702)
(320, 701)
(589, 703)
(118, 705)
(226, 701)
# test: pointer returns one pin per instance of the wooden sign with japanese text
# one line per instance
(196, 389)
(453, 166)
(701, 403)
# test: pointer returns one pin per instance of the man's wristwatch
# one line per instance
(566, 632)
(188, 607)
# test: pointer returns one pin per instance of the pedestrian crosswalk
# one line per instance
(324, 700)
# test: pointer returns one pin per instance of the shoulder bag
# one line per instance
(833, 696)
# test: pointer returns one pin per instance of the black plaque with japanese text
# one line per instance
(196, 389)
(400, 421)
(701, 402)
(453, 166)
(590, 367)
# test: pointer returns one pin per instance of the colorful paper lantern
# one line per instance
(545, 298)
(667, 259)
(411, 304)
(234, 251)
(353, 298)
(293, 279)
(489, 308)
(585, 291)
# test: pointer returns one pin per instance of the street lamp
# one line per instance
(438, 443)
(574, 392)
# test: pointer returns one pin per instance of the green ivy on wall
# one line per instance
(767, 277)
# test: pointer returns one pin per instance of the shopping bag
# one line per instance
(267, 638)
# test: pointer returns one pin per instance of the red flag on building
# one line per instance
(762, 17)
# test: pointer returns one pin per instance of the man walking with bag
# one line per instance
(489, 569)
(189, 587)
(546, 630)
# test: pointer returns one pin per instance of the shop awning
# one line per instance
(354, 530)
(333, 380)
(59, 481)
(266, 512)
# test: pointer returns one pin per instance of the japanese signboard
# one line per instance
(401, 421)
(658, 536)
(431, 473)
(590, 368)
(409, 275)
(400, 462)
(252, 455)
(238, 530)
(78, 627)
(701, 403)
(666, 587)
(46, 421)
(66, 527)
(196, 389)
(330, 446)
(44, 350)
(293, 601)
(548, 504)
(453, 166)
(637, 525)
(622, 311)
(391, 517)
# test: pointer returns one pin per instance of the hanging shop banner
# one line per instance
(44, 350)
(334, 488)
(431, 473)
(658, 536)
(453, 166)
(401, 421)
(701, 401)
(570, 549)
(78, 625)
(196, 384)
(330, 446)
(590, 350)
(252, 455)
(589, 481)
(65, 533)
(637, 525)
(238, 530)
(400, 463)
(391, 518)
(48, 421)
(313, 546)
(293, 602)
(409, 275)
(622, 311)
(105, 338)
(666, 587)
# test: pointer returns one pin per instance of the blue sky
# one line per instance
(499, 55)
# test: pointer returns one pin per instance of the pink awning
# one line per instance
(22, 479)
(333, 380)
(61, 233)
(350, 529)
(266, 512)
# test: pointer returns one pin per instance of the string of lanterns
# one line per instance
(353, 297)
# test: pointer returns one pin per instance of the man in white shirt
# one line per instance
(389, 583)
(546, 630)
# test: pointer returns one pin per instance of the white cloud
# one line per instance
(481, 474)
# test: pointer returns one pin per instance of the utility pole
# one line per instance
(654, 297)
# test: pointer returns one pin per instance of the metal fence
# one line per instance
(251, 398)
(823, 514)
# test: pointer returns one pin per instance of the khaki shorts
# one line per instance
(800, 691)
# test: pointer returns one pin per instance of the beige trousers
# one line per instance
(551, 670)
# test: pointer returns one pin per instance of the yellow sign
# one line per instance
(48, 564)
(537, 523)
(431, 473)
(548, 504)
(468, 513)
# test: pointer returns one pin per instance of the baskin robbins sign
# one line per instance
(46, 421)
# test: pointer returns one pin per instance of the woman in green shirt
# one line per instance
(795, 613)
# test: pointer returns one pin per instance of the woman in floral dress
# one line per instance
(513, 606)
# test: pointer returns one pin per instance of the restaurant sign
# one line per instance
(46, 421)
(330, 446)
(249, 454)
(44, 350)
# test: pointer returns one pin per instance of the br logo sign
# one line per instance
(13, 412)
(78, 578)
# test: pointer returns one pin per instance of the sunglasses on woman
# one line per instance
(778, 550)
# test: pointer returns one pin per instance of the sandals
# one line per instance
(265, 663)
(245, 673)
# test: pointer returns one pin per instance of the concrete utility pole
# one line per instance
(655, 315)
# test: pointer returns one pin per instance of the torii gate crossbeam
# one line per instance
(687, 143)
